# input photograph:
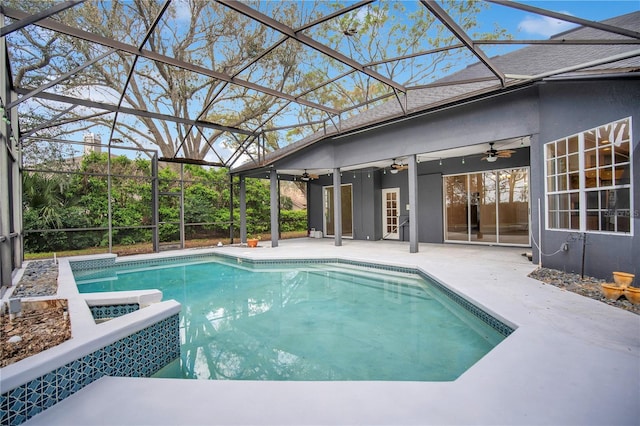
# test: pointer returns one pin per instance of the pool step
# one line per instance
(407, 286)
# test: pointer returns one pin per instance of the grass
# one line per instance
(127, 250)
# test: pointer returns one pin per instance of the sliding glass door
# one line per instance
(488, 207)
(347, 211)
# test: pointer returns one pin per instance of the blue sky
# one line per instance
(523, 25)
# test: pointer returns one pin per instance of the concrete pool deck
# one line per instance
(572, 360)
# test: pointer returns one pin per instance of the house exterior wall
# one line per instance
(545, 112)
(567, 108)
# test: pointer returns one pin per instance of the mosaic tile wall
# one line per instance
(79, 265)
(112, 311)
(141, 354)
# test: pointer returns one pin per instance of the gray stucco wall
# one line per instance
(430, 208)
(514, 114)
(545, 112)
(567, 108)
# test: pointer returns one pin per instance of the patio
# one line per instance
(572, 360)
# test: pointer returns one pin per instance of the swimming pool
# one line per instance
(321, 320)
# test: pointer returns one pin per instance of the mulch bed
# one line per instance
(40, 326)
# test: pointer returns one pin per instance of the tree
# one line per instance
(203, 33)
(383, 36)
(214, 37)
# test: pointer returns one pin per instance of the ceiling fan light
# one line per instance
(394, 171)
(492, 158)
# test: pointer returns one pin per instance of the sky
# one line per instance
(522, 25)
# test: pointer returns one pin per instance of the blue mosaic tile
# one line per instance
(4, 410)
(113, 311)
(17, 418)
(17, 404)
(33, 398)
(49, 390)
(142, 354)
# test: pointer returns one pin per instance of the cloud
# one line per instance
(544, 25)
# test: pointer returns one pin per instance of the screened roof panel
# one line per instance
(125, 22)
(196, 75)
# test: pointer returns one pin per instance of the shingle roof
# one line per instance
(539, 59)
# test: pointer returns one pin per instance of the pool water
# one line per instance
(309, 322)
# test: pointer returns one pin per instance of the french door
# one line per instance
(391, 213)
(347, 210)
(488, 207)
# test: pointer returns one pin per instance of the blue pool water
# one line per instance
(308, 321)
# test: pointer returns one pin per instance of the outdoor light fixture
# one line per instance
(490, 159)
(441, 161)
(394, 171)
(462, 160)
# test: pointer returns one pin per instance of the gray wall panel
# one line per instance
(430, 208)
(571, 107)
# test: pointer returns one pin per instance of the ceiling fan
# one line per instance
(395, 167)
(493, 154)
(306, 177)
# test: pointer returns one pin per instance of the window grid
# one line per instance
(588, 180)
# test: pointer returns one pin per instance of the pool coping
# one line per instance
(530, 378)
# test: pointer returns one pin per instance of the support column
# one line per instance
(155, 203)
(182, 228)
(275, 203)
(412, 175)
(109, 202)
(16, 199)
(6, 265)
(232, 222)
(10, 188)
(243, 210)
(337, 207)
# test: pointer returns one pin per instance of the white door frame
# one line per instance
(388, 231)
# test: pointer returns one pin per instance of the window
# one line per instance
(588, 180)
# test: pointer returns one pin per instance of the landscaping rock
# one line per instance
(587, 286)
